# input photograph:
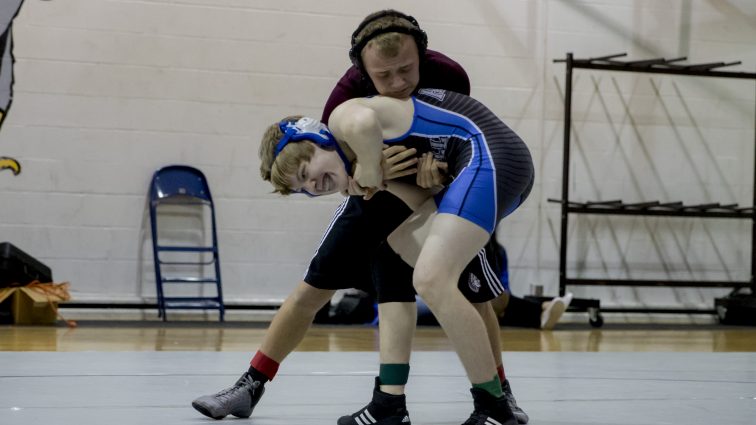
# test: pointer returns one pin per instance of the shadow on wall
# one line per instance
(641, 138)
(651, 123)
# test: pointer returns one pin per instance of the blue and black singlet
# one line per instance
(491, 166)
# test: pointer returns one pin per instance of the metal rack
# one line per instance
(658, 208)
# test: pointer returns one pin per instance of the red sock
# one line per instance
(264, 365)
(500, 371)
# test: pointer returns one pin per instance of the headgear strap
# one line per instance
(313, 130)
(421, 38)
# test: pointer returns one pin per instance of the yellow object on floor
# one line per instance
(35, 303)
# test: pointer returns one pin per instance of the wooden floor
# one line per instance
(151, 336)
(142, 373)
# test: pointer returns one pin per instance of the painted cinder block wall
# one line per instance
(108, 91)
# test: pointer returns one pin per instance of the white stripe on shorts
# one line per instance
(339, 210)
(494, 284)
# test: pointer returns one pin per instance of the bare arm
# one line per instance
(398, 161)
(361, 125)
(358, 127)
(410, 194)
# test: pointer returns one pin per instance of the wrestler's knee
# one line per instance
(433, 286)
(307, 299)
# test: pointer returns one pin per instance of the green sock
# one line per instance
(493, 386)
(394, 373)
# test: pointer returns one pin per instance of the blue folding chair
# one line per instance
(182, 186)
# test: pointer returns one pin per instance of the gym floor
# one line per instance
(149, 372)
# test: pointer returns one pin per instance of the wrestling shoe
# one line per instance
(384, 409)
(490, 410)
(238, 400)
(522, 417)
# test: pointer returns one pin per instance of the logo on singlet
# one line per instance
(438, 147)
(474, 283)
(437, 94)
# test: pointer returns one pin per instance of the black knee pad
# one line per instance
(392, 277)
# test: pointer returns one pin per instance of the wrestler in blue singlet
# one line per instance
(491, 166)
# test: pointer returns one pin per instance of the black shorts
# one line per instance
(485, 277)
(359, 226)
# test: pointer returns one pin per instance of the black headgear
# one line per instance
(421, 38)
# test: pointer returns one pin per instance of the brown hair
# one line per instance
(279, 169)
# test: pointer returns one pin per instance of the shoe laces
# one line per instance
(508, 394)
(244, 383)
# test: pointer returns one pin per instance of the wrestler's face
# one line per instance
(393, 76)
(323, 174)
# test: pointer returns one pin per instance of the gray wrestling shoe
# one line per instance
(522, 417)
(238, 400)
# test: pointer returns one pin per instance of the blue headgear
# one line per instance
(313, 130)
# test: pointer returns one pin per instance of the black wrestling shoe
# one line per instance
(238, 400)
(522, 417)
(384, 409)
(490, 410)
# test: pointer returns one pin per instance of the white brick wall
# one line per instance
(108, 91)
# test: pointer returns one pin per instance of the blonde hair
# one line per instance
(388, 44)
(279, 169)
(375, 30)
